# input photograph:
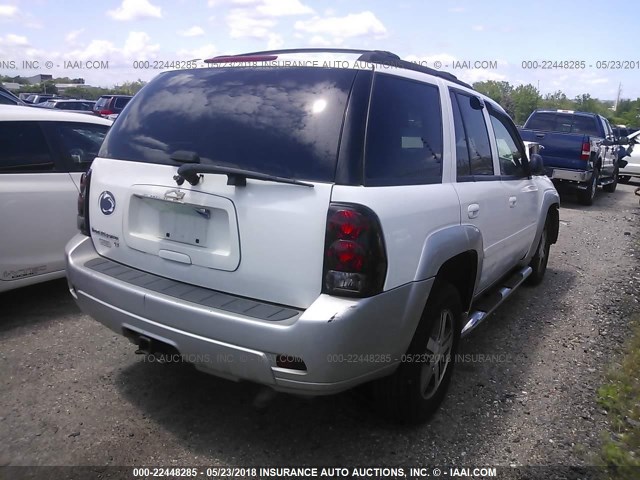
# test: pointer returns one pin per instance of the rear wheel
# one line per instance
(414, 392)
(611, 187)
(624, 178)
(586, 196)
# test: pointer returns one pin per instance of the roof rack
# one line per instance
(380, 57)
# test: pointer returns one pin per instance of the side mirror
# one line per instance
(536, 165)
(476, 103)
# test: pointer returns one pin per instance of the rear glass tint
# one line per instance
(404, 134)
(282, 121)
(564, 123)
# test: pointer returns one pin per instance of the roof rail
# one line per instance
(380, 57)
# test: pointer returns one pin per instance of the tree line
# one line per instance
(520, 101)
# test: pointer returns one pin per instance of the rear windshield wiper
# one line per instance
(235, 176)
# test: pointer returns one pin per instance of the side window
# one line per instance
(80, 142)
(404, 135)
(24, 148)
(463, 161)
(6, 100)
(121, 102)
(607, 127)
(511, 158)
(471, 131)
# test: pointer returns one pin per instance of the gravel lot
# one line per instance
(73, 393)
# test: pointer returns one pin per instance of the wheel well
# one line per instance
(460, 271)
(553, 219)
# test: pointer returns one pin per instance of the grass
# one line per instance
(620, 396)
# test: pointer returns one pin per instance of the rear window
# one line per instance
(564, 123)
(102, 101)
(283, 121)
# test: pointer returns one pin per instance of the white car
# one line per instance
(632, 169)
(311, 229)
(43, 153)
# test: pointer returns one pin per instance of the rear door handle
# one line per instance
(473, 210)
(513, 201)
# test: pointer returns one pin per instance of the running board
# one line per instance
(488, 304)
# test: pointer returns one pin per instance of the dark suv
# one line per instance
(110, 104)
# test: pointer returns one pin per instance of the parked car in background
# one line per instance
(36, 98)
(632, 169)
(42, 156)
(110, 104)
(579, 149)
(8, 98)
(270, 237)
(85, 106)
(24, 95)
(621, 131)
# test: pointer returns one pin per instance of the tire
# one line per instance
(611, 187)
(539, 261)
(415, 391)
(624, 178)
(585, 197)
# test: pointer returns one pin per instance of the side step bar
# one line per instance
(488, 304)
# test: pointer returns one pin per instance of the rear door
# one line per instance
(609, 157)
(482, 198)
(37, 203)
(264, 240)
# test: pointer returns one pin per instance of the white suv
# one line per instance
(311, 228)
(43, 154)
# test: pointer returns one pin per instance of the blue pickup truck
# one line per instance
(579, 150)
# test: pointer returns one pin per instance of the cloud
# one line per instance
(243, 23)
(8, 11)
(280, 8)
(13, 40)
(201, 53)
(72, 36)
(267, 8)
(457, 9)
(138, 46)
(194, 31)
(275, 41)
(135, 10)
(478, 28)
(349, 26)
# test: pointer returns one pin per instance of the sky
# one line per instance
(474, 40)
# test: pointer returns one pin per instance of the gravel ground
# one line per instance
(73, 393)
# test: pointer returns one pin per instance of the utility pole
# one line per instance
(615, 107)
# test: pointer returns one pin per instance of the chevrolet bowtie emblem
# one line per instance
(174, 194)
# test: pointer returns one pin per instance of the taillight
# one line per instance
(105, 112)
(83, 204)
(586, 151)
(355, 261)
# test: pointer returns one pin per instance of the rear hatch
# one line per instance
(264, 240)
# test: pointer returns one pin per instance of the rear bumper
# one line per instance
(343, 342)
(580, 176)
